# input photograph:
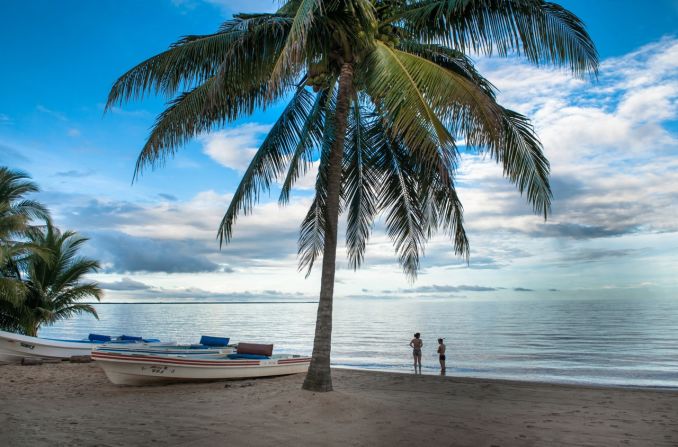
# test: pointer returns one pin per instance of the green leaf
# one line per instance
(544, 32)
(269, 161)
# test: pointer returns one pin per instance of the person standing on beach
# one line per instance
(441, 354)
(416, 345)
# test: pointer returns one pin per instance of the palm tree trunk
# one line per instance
(319, 377)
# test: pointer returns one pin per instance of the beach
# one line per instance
(74, 404)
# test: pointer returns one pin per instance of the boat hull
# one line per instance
(138, 370)
(15, 347)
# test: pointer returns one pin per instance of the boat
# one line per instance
(208, 346)
(137, 369)
(15, 347)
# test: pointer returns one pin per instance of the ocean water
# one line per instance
(630, 342)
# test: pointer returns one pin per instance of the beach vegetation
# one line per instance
(383, 96)
(41, 271)
(17, 217)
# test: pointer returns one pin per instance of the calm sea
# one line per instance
(605, 341)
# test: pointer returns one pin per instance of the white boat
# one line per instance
(136, 369)
(15, 347)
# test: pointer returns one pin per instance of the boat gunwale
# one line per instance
(150, 360)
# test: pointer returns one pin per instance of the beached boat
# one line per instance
(15, 347)
(137, 369)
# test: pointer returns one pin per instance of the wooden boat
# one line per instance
(15, 347)
(136, 369)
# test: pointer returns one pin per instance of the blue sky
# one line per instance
(613, 146)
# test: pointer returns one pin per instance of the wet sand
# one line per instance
(74, 404)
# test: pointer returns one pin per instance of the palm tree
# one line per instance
(54, 284)
(381, 92)
(16, 220)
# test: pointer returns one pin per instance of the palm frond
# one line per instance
(544, 32)
(292, 54)
(189, 62)
(521, 154)
(361, 183)
(423, 101)
(311, 136)
(70, 311)
(397, 96)
(449, 59)
(269, 161)
(192, 113)
(405, 222)
(312, 232)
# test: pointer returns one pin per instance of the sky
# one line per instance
(612, 144)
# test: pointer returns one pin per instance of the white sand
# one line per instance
(74, 404)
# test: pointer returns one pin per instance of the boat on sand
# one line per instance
(15, 347)
(137, 369)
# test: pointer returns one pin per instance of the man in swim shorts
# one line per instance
(416, 345)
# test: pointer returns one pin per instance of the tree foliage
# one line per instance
(41, 274)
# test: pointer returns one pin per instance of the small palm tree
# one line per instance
(55, 285)
(380, 92)
(17, 215)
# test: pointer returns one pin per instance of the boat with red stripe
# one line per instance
(139, 368)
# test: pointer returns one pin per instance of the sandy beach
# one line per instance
(74, 404)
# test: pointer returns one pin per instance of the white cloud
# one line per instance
(235, 147)
(58, 115)
(612, 145)
(73, 132)
(656, 103)
(307, 181)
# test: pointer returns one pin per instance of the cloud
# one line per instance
(170, 197)
(440, 289)
(650, 104)
(58, 115)
(235, 147)
(73, 132)
(115, 110)
(129, 290)
(577, 231)
(612, 146)
(74, 173)
(522, 289)
(160, 236)
(121, 253)
(5, 119)
(126, 284)
(10, 156)
(589, 255)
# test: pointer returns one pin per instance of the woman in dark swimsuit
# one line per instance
(416, 345)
